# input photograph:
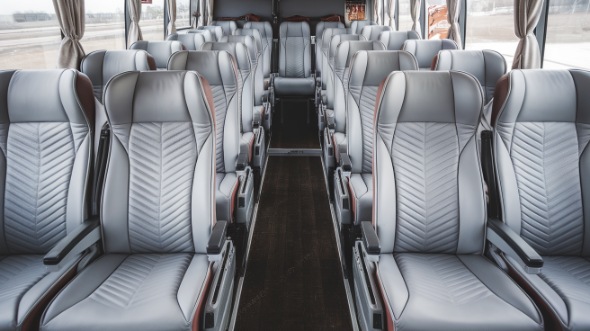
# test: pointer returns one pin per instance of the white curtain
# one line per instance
(134, 7)
(389, 9)
(526, 17)
(206, 11)
(378, 11)
(454, 9)
(209, 11)
(415, 13)
(71, 16)
(171, 16)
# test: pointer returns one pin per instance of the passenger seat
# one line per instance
(540, 143)
(216, 31)
(160, 50)
(229, 27)
(373, 32)
(190, 41)
(206, 33)
(394, 40)
(46, 148)
(319, 30)
(265, 30)
(167, 264)
(294, 77)
(356, 27)
(419, 264)
(426, 50)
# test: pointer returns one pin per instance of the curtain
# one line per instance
(201, 18)
(378, 11)
(135, 15)
(454, 9)
(209, 11)
(171, 16)
(389, 13)
(70, 15)
(526, 17)
(415, 13)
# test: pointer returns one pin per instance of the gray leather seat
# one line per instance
(373, 32)
(335, 134)
(486, 65)
(229, 27)
(233, 145)
(157, 215)
(216, 31)
(541, 136)
(357, 26)
(46, 161)
(394, 40)
(368, 69)
(265, 30)
(326, 41)
(426, 50)
(101, 66)
(430, 214)
(319, 31)
(160, 50)
(294, 77)
(206, 33)
(190, 41)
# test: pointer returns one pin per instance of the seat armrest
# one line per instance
(217, 238)
(257, 116)
(345, 162)
(330, 119)
(370, 239)
(511, 244)
(84, 236)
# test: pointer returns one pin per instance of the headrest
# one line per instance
(319, 29)
(394, 40)
(206, 33)
(425, 50)
(237, 50)
(357, 26)
(228, 26)
(264, 28)
(541, 95)
(370, 68)
(372, 32)
(62, 95)
(251, 32)
(101, 66)
(135, 96)
(430, 96)
(190, 41)
(216, 31)
(294, 29)
(336, 40)
(249, 42)
(327, 36)
(218, 67)
(160, 50)
(347, 49)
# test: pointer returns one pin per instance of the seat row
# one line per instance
(154, 255)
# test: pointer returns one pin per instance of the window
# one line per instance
(183, 13)
(405, 16)
(438, 23)
(105, 25)
(152, 20)
(490, 25)
(568, 35)
(29, 35)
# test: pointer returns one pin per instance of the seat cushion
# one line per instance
(361, 187)
(453, 292)
(132, 292)
(227, 187)
(24, 282)
(564, 286)
(294, 86)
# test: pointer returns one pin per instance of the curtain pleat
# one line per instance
(526, 17)
(453, 11)
(171, 16)
(134, 7)
(71, 17)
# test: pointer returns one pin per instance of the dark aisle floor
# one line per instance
(293, 278)
(294, 132)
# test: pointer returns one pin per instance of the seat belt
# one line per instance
(100, 168)
(489, 175)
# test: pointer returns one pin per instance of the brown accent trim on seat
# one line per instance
(85, 96)
(500, 96)
(201, 300)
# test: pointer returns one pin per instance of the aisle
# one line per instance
(293, 279)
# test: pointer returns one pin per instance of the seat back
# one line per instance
(206, 33)
(101, 66)
(245, 67)
(257, 38)
(326, 40)
(294, 50)
(319, 31)
(250, 44)
(220, 70)
(541, 136)
(330, 79)
(228, 27)
(428, 189)
(265, 30)
(46, 146)
(486, 65)
(160, 50)
(426, 50)
(190, 41)
(216, 31)
(159, 184)
(344, 53)
(394, 40)
(257, 76)
(372, 32)
(368, 69)
(357, 26)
